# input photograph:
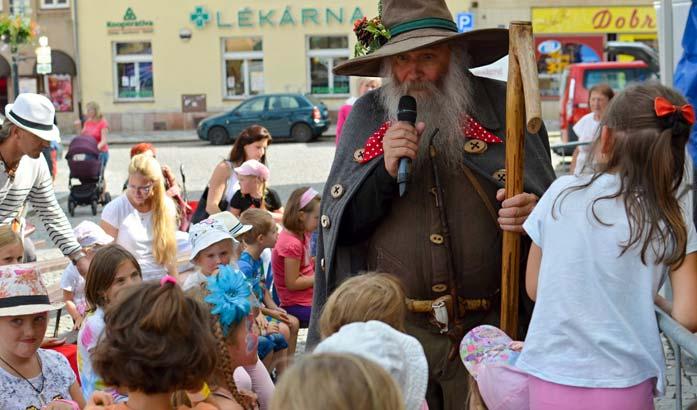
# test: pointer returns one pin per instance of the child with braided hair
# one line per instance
(233, 309)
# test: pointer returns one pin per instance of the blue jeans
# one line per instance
(103, 158)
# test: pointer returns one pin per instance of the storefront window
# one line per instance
(134, 75)
(243, 59)
(60, 91)
(325, 52)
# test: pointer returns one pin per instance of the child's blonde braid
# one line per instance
(228, 372)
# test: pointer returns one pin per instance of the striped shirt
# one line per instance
(32, 183)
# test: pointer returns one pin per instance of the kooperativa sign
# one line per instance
(130, 24)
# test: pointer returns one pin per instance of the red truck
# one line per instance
(578, 79)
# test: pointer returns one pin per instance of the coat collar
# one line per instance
(484, 111)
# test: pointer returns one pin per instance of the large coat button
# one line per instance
(473, 146)
(437, 239)
(326, 223)
(500, 176)
(358, 155)
(337, 191)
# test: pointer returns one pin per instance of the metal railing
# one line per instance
(681, 339)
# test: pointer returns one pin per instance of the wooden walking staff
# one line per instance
(523, 111)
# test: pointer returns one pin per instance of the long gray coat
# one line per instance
(336, 263)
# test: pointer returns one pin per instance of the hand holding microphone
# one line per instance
(401, 141)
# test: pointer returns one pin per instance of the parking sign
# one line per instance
(465, 22)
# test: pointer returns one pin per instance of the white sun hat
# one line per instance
(206, 233)
(34, 113)
(399, 354)
(233, 225)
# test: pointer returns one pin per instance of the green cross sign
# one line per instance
(200, 17)
(130, 15)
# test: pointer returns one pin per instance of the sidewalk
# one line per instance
(172, 136)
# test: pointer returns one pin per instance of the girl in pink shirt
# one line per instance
(293, 267)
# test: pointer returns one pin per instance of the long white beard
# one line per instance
(439, 105)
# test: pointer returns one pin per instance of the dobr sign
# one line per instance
(577, 20)
(465, 22)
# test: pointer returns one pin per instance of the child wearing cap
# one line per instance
(399, 354)
(30, 377)
(91, 237)
(253, 192)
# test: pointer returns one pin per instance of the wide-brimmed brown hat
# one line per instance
(415, 24)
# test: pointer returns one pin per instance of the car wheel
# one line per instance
(218, 136)
(301, 132)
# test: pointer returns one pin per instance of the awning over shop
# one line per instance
(61, 63)
(4, 67)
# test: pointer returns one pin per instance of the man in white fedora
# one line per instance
(445, 249)
(24, 176)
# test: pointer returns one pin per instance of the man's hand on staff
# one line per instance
(514, 211)
(401, 140)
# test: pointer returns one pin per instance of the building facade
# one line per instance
(54, 20)
(154, 64)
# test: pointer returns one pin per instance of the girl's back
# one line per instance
(594, 323)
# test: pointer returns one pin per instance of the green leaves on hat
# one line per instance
(371, 35)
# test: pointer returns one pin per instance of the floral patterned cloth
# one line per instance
(487, 345)
(90, 332)
(17, 394)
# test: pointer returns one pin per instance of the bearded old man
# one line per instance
(366, 225)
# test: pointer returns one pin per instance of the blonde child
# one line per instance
(370, 296)
(91, 237)
(602, 244)
(253, 192)
(264, 235)
(11, 246)
(212, 250)
(337, 382)
(293, 267)
(30, 377)
(131, 353)
(365, 316)
(112, 270)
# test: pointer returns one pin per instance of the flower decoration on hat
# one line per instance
(229, 297)
(371, 34)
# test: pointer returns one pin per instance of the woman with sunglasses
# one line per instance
(143, 220)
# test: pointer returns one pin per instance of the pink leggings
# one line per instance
(551, 396)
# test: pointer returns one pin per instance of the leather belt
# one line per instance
(465, 305)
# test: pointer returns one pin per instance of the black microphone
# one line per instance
(406, 111)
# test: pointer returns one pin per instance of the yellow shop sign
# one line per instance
(574, 20)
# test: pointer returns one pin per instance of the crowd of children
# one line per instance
(224, 337)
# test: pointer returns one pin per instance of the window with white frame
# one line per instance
(325, 52)
(54, 4)
(243, 66)
(133, 71)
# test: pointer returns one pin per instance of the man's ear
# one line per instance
(607, 141)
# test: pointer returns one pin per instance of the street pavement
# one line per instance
(292, 165)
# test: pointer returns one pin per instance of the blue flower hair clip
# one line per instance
(229, 296)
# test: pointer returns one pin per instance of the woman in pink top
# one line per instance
(97, 128)
(293, 267)
(365, 84)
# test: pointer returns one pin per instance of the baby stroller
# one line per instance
(84, 165)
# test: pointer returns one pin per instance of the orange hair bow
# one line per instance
(663, 108)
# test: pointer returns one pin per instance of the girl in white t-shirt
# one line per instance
(143, 220)
(602, 244)
(587, 128)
